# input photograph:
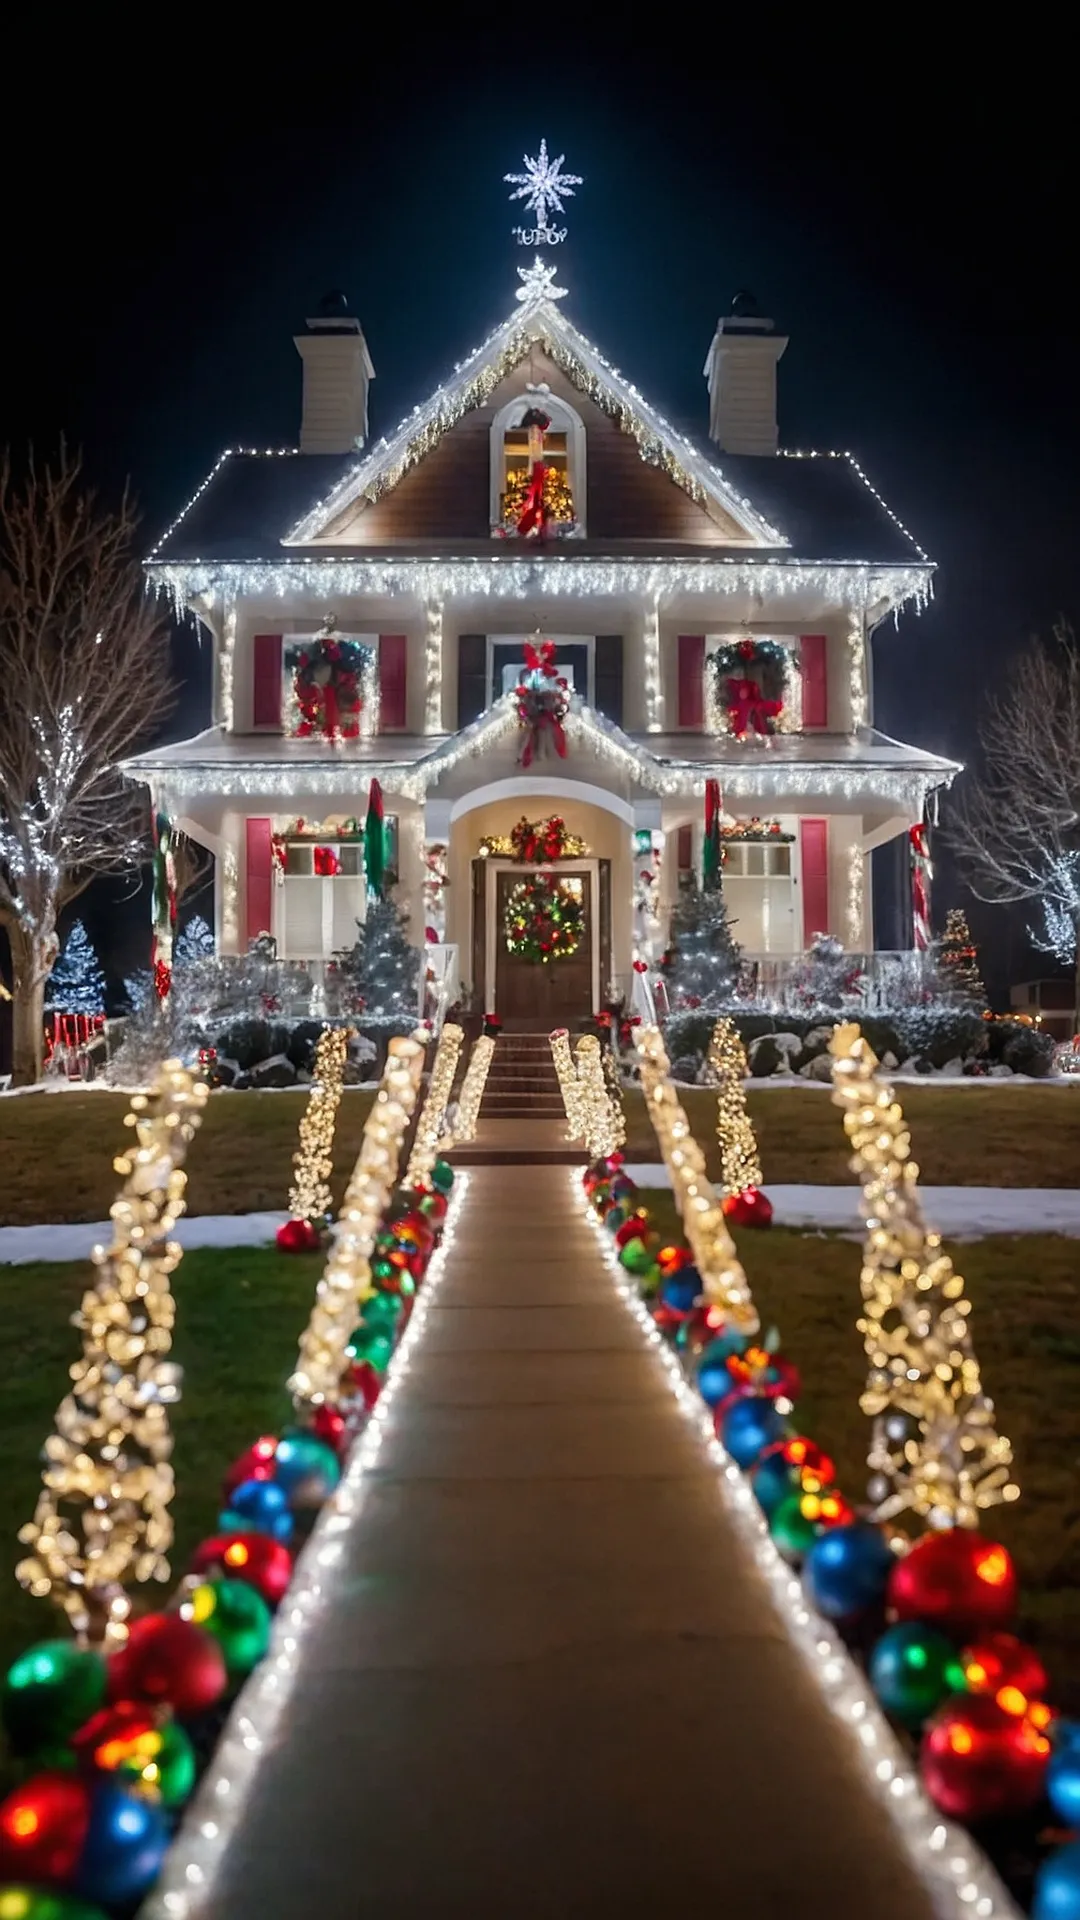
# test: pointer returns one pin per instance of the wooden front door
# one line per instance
(534, 997)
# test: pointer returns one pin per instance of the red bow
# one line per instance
(748, 708)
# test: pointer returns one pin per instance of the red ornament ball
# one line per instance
(255, 1558)
(298, 1236)
(956, 1581)
(1001, 1665)
(170, 1660)
(750, 1208)
(329, 1425)
(633, 1229)
(979, 1762)
(43, 1828)
(256, 1464)
(364, 1380)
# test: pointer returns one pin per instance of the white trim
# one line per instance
(574, 427)
(491, 930)
(528, 786)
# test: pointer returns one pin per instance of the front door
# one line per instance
(533, 996)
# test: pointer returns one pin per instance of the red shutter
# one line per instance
(815, 683)
(692, 680)
(260, 883)
(684, 849)
(266, 681)
(392, 683)
(814, 848)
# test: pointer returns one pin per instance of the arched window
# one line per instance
(519, 443)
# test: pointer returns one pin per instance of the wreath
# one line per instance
(327, 675)
(751, 680)
(544, 920)
(542, 701)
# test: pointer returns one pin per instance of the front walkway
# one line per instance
(548, 1685)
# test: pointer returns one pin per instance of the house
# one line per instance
(710, 614)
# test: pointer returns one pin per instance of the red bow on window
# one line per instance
(326, 862)
(748, 709)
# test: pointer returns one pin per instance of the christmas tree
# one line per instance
(384, 965)
(702, 963)
(958, 960)
(196, 942)
(77, 984)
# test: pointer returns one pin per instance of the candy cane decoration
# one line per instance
(921, 875)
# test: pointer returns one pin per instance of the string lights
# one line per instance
(740, 1161)
(568, 1083)
(600, 1115)
(472, 1088)
(935, 1449)
(433, 656)
(652, 678)
(322, 1360)
(432, 1135)
(724, 1283)
(310, 1198)
(103, 1513)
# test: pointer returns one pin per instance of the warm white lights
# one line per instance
(568, 1083)
(310, 1198)
(433, 655)
(856, 883)
(739, 1160)
(650, 668)
(431, 1128)
(599, 1112)
(472, 1088)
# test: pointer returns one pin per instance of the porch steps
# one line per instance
(522, 1082)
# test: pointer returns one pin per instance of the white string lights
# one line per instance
(472, 1088)
(559, 1042)
(321, 1361)
(651, 673)
(310, 1198)
(431, 1128)
(433, 666)
(601, 1118)
(724, 1283)
(855, 903)
(187, 1888)
(960, 1882)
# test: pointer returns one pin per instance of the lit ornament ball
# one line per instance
(302, 1460)
(433, 1206)
(979, 1762)
(171, 1661)
(618, 1215)
(713, 1377)
(124, 1847)
(637, 1256)
(370, 1348)
(1063, 1783)
(750, 1208)
(43, 1827)
(649, 1280)
(792, 1528)
(329, 1425)
(362, 1379)
(680, 1288)
(256, 1464)
(40, 1903)
(847, 1570)
(773, 1479)
(1057, 1886)
(956, 1581)
(260, 1506)
(48, 1694)
(913, 1668)
(255, 1558)
(442, 1176)
(298, 1236)
(633, 1229)
(239, 1620)
(381, 1312)
(414, 1231)
(130, 1740)
(997, 1662)
(748, 1428)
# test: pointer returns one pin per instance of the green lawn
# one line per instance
(1026, 1325)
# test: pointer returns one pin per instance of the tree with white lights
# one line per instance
(77, 984)
(84, 672)
(1015, 827)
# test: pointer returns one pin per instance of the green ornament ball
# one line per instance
(442, 1176)
(380, 1314)
(239, 1620)
(793, 1533)
(383, 1271)
(913, 1668)
(639, 1255)
(40, 1903)
(175, 1769)
(649, 1280)
(49, 1694)
(372, 1346)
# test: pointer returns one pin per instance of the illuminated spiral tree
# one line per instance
(103, 1513)
(935, 1450)
(310, 1198)
(740, 1163)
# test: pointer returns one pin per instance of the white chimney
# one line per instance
(337, 369)
(741, 372)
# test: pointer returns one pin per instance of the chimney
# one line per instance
(741, 372)
(337, 369)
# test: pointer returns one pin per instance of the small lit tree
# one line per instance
(702, 964)
(740, 1163)
(958, 960)
(84, 672)
(196, 942)
(384, 965)
(77, 984)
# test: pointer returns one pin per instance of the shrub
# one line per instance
(1026, 1049)
(938, 1033)
(688, 1035)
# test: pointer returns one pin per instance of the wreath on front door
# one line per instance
(544, 920)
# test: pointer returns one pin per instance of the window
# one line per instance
(761, 901)
(322, 894)
(506, 658)
(518, 441)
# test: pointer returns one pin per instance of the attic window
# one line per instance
(538, 469)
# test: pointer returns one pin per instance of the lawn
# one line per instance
(1026, 1325)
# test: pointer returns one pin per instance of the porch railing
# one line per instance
(862, 982)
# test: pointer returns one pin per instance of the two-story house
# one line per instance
(712, 616)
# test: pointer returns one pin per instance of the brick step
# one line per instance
(522, 1084)
(481, 1156)
(509, 1106)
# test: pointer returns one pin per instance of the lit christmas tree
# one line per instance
(384, 965)
(196, 942)
(958, 959)
(702, 963)
(77, 984)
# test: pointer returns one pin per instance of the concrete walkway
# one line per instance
(550, 1685)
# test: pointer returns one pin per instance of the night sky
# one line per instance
(907, 224)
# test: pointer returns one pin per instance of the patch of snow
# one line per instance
(75, 1242)
(960, 1213)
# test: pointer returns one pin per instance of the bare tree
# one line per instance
(1016, 827)
(83, 678)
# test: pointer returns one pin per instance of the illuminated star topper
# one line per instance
(537, 284)
(543, 187)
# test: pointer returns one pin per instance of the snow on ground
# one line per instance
(961, 1213)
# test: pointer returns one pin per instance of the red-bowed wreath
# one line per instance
(327, 677)
(751, 676)
(542, 698)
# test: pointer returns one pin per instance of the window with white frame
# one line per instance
(519, 444)
(321, 897)
(574, 654)
(772, 677)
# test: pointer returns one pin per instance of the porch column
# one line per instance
(227, 885)
(433, 666)
(650, 667)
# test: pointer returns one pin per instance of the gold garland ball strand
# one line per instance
(103, 1513)
(559, 1042)
(740, 1163)
(602, 1121)
(310, 1198)
(347, 1276)
(432, 1135)
(723, 1281)
(472, 1088)
(935, 1450)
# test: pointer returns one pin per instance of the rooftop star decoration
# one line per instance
(543, 185)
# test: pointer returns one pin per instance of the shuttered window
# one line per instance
(266, 681)
(691, 702)
(393, 687)
(471, 677)
(608, 676)
(259, 890)
(814, 852)
(813, 660)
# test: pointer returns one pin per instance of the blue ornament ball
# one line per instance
(258, 1506)
(301, 1457)
(749, 1427)
(773, 1479)
(680, 1289)
(847, 1570)
(1057, 1886)
(124, 1847)
(1063, 1781)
